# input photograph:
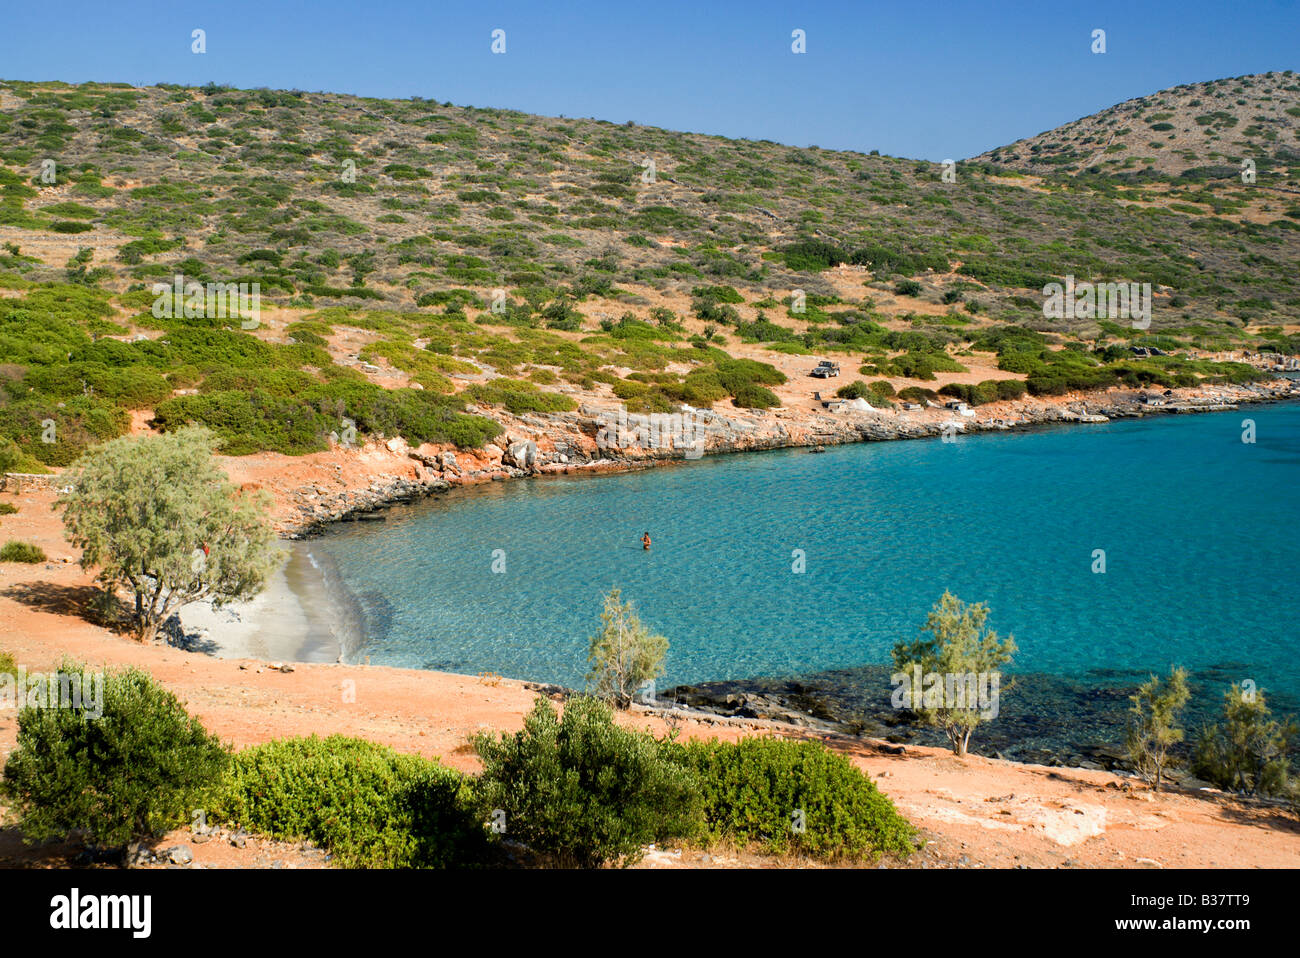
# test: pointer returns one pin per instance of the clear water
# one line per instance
(1199, 531)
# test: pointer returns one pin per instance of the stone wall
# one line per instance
(14, 481)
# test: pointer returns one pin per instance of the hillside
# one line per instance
(1197, 131)
(378, 232)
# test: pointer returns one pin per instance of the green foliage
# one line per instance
(624, 654)
(793, 797)
(15, 551)
(519, 396)
(1246, 751)
(751, 396)
(582, 790)
(369, 805)
(990, 390)
(158, 516)
(958, 645)
(1153, 723)
(139, 768)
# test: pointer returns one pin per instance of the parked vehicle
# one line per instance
(826, 369)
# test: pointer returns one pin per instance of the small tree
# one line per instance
(958, 646)
(1153, 723)
(141, 766)
(1247, 750)
(159, 516)
(624, 654)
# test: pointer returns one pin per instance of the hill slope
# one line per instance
(1199, 127)
(379, 233)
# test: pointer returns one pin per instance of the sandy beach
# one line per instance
(291, 620)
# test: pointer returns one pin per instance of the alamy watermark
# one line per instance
(970, 691)
(195, 300)
(54, 690)
(684, 431)
(1131, 301)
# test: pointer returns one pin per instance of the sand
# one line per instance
(289, 621)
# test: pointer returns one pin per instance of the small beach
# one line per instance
(292, 620)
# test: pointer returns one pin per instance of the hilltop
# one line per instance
(432, 271)
(1194, 132)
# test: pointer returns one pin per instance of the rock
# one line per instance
(521, 454)
(493, 451)
(397, 444)
(178, 855)
(448, 461)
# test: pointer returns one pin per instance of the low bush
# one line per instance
(519, 396)
(139, 768)
(15, 551)
(1247, 749)
(583, 790)
(786, 796)
(369, 805)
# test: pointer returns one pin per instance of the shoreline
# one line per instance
(752, 697)
(987, 812)
(437, 471)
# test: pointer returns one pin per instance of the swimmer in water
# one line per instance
(645, 541)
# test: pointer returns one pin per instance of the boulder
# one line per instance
(521, 454)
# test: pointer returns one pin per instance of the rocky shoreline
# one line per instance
(570, 443)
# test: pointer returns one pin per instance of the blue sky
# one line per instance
(931, 79)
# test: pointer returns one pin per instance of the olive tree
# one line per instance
(624, 654)
(159, 517)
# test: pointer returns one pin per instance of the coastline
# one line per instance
(825, 702)
(305, 614)
(565, 444)
(981, 812)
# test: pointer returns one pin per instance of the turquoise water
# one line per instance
(1199, 531)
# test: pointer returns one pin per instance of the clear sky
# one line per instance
(931, 80)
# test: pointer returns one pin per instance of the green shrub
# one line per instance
(15, 551)
(1247, 750)
(786, 796)
(751, 396)
(7, 508)
(583, 790)
(139, 768)
(519, 396)
(369, 805)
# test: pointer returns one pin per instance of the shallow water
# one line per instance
(1199, 531)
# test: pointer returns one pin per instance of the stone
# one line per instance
(522, 454)
(179, 855)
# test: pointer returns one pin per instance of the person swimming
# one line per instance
(645, 541)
